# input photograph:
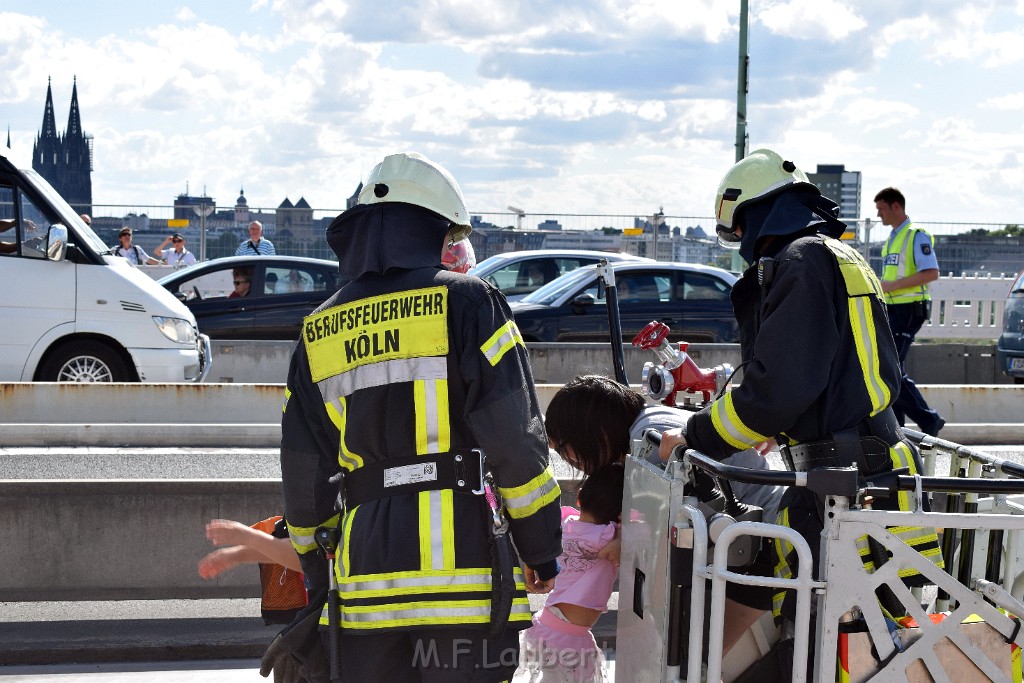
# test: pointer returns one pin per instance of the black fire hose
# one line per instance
(606, 276)
(503, 582)
(327, 538)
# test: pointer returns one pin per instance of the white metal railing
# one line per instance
(966, 307)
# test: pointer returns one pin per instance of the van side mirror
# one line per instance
(56, 242)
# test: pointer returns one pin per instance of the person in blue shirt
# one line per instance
(256, 245)
(908, 265)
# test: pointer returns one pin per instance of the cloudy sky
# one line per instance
(555, 106)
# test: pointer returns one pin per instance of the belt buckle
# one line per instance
(480, 456)
(787, 457)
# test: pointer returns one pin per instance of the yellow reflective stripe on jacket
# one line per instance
(862, 286)
(424, 613)
(337, 410)
(381, 605)
(382, 374)
(408, 324)
(436, 529)
(287, 395)
(501, 341)
(862, 322)
(344, 567)
(782, 569)
(730, 427)
(302, 536)
(433, 426)
(898, 262)
(922, 539)
(436, 508)
(460, 580)
(525, 500)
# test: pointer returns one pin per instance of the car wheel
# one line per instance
(1018, 380)
(86, 361)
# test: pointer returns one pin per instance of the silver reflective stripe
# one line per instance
(506, 337)
(306, 543)
(382, 374)
(436, 530)
(879, 393)
(528, 500)
(352, 588)
(479, 610)
(430, 418)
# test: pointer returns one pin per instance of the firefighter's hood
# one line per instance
(797, 210)
(374, 238)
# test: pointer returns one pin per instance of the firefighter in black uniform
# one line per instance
(399, 382)
(821, 369)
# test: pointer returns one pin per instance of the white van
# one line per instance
(70, 310)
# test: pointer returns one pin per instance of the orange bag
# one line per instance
(284, 592)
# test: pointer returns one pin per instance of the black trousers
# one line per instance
(427, 655)
(905, 320)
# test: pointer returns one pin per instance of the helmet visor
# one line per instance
(727, 237)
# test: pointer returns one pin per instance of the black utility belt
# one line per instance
(459, 470)
(921, 309)
(873, 457)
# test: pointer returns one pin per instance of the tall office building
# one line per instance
(65, 160)
(841, 186)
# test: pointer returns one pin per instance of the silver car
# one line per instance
(517, 273)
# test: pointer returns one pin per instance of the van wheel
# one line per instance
(87, 361)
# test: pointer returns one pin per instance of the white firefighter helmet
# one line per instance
(760, 174)
(414, 179)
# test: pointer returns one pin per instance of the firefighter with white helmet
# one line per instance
(399, 383)
(821, 368)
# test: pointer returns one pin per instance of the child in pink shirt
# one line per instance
(560, 646)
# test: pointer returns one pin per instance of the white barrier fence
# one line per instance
(967, 307)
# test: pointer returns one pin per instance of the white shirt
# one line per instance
(173, 258)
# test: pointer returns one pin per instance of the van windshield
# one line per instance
(67, 216)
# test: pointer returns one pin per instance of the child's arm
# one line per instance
(223, 559)
(268, 548)
(612, 551)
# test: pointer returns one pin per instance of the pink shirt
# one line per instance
(584, 579)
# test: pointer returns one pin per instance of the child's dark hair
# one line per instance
(593, 414)
(601, 493)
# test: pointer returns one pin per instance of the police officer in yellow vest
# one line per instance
(399, 383)
(908, 265)
(820, 367)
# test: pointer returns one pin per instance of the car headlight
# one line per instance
(176, 329)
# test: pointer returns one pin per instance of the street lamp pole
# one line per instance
(741, 86)
(202, 210)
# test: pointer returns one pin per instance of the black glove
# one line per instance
(297, 654)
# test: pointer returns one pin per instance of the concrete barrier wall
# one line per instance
(122, 539)
(950, 363)
(249, 415)
(105, 539)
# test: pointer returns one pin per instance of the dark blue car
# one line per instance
(1010, 347)
(280, 292)
(692, 300)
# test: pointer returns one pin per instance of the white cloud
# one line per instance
(810, 19)
(609, 107)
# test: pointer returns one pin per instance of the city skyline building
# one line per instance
(65, 159)
(841, 186)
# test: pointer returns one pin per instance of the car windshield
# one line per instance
(1018, 286)
(547, 294)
